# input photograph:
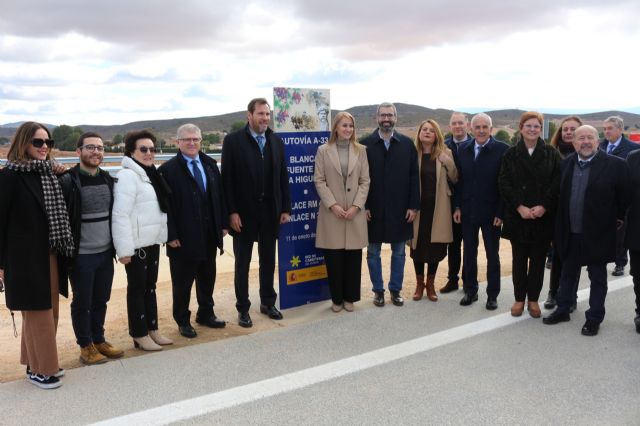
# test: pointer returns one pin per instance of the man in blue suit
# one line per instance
(478, 206)
(615, 143)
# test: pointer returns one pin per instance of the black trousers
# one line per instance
(344, 270)
(528, 260)
(183, 272)
(432, 268)
(491, 238)
(454, 254)
(142, 306)
(634, 257)
(621, 251)
(554, 276)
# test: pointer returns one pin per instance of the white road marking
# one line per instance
(206, 404)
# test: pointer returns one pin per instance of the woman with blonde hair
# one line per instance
(341, 178)
(432, 227)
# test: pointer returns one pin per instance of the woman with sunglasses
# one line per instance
(139, 226)
(34, 232)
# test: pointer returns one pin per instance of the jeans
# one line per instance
(375, 266)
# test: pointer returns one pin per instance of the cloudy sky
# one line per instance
(79, 62)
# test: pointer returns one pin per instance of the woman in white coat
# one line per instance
(342, 180)
(139, 226)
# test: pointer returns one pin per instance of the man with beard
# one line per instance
(593, 200)
(88, 192)
(393, 200)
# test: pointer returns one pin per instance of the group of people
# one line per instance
(432, 194)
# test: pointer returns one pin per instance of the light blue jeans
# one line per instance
(375, 266)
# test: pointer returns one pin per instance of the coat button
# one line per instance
(348, 189)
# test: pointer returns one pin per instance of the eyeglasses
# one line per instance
(532, 126)
(38, 143)
(93, 148)
(386, 115)
(144, 149)
(194, 140)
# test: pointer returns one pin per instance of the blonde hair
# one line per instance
(438, 146)
(334, 129)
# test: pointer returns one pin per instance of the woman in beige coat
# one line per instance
(342, 181)
(432, 227)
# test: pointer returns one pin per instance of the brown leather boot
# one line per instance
(419, 287)
(89, 355)
(534, 309)
(431, 290)
(517, 309)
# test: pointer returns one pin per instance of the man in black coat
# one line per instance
(632, 238)
(393, 200)
(196, 222)
(478, 206)
(256, 187)
(615, 143)
(593, 200)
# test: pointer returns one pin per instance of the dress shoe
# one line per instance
(187, 331)
(548, 264)
(468, 299)
(335, 307)
(211, 322)
(517, 309)
(108, 350)
(636, 321)
(244, 320)
(89, 355)
(550, 303)
(396, 299)
(159, 338)
(590, 328)
(556, 317)
(431, 289)
(492, 304)
(573, 307)
(271, 312)
(452, 285)
(534, 309)
(378, 298)
(146, 344)
(419, 288)
(618, 271)
(348, 306)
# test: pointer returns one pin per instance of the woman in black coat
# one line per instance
(529, 183)
(34, 231)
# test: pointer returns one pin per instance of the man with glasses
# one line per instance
(393, 200)
(197, 223)
(88, 192)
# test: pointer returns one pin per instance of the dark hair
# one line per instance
(86, 135)
(22, 139)
(131, 138)
(257, 101)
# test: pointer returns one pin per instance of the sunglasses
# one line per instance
(144, 150)
(38, 143)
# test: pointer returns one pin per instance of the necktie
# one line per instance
(478, 149)
(610, 148)
(260, 139)
(197, 175)
(582, 164)
(387, 144)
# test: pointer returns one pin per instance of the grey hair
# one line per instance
(616, 120)
(458, 113)
(589, 128)
(387, 105)
(188, 128)
(482, 115)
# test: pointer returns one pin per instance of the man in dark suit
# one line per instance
(632, 238)
(459, 127)
(593, 201)
(197, 222)
(478, 206)
(392, 202)
(256, 187)
(615, 143)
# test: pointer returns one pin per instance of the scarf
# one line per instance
(565, 148)
(160, 186)
(60, 238)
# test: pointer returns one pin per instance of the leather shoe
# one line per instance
(378, 299)
(469, 299)
(618, 271)
(573, 307)
(271, 312)
(450, 286)
(492, 304)
(396, 299)
(517, 309)
(556, 317)
(244, 320)
(550, 303)
(636, 321)
(590, 328)
(534, 309)
(211, 322)
(187, 331)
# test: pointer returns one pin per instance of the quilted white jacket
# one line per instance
(137, 220)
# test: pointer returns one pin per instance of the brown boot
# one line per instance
(108, 350)
(419, 287)
(89, 355)
(431, 290)
(517, 309)
(534, 309)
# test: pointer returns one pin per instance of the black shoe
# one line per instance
(451, 286)
(396, 299)
(244, 320)
(469, 299)
(636, 321)
(550, 303)
(44, 382)
(59, 374)
(573, 307)
(548, 264)
(378, 298)
(590, 328)
(271, 312)
(556, 317)
(492, 304)
(211, 321)
(187, 331)
(618, 271)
